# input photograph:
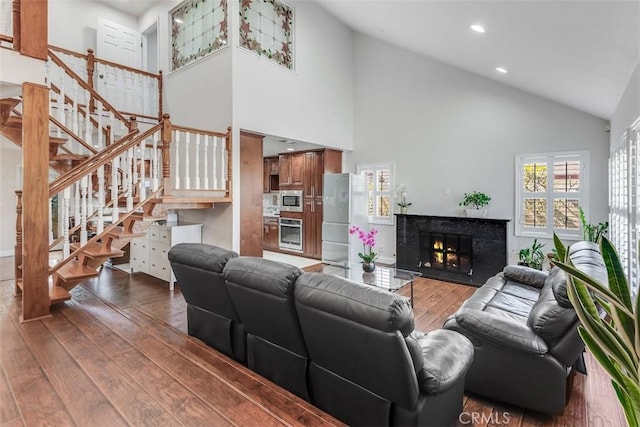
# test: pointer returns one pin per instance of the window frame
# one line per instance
(582, 195)
(375, 167)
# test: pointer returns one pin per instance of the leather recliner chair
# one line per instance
(368, 366)
(524, 331)
(211, 316)
(262, 292)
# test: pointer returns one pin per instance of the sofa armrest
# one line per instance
(525, 275)
(446, 357)
(500, 331)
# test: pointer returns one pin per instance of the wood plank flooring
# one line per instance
(118, 354)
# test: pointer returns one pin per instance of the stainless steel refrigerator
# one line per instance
(345, 204)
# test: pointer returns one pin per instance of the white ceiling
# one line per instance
(576, 52)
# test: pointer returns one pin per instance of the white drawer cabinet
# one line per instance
(148, 254)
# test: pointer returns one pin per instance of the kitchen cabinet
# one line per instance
(270, 240)
(271, 168)
(291, 170)
(149, 253)
(316, 164)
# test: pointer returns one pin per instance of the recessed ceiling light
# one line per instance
(290, 149)
(501, 70)
(477, 28)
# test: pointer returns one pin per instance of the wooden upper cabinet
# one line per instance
(274, 165)
(270, 174)
(266, 177)
(292, 170)
(297, 169)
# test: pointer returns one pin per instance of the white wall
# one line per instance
(73, 23)
(447, 129)
(628, 109)
(314, 102)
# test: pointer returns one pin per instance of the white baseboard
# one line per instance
(9, 252)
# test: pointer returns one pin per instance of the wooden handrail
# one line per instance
(86, 87)
(107, 230)
(72, 135)
(200, 131)
(67, 52)
(82, 110)
(105, 156)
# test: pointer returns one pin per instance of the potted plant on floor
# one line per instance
(613, 339)
(475, 203)
(532, 256)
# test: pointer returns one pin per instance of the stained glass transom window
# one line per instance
(198, 28)
(266, 28)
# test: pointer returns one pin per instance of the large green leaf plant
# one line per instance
(614, 337)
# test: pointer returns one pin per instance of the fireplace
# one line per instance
(447, 251)
(456, 249)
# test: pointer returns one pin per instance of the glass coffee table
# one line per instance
(390, 278)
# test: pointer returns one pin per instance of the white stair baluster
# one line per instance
(115, 165)
(66, 208)
(129, 169)
(100, 140)
(214, 156)
(50, 221)
(90, 196)
(83, 212)
(187, 154)
(135, 177)
(154, 166)
(143, 172)
(197, 161)
(206, 162)
(101, 199)
(176, 159)
(76, 204)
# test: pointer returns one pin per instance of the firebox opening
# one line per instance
(447, 251)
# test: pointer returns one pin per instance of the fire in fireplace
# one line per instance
(447, 251)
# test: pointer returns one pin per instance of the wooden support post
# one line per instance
(35, 200)
(16, 25)
(18, 246)
(166, 144)
(91, 64)
(34, 28)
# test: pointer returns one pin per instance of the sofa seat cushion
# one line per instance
(447, 356)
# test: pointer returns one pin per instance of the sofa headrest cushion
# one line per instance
(558, 282)
(364, 304)
(201, 255)
(263, 275)
(528, 276)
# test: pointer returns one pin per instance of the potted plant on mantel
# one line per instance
(474, 204)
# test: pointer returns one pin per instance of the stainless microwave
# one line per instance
(291, 200)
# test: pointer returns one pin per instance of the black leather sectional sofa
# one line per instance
(350, 349)
(524, 332)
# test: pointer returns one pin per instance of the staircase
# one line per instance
(109, 179)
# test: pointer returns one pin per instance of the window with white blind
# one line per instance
(624, 202)
(380, 177)
(550, 189)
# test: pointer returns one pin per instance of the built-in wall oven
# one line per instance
(291, 200)
(290, 234)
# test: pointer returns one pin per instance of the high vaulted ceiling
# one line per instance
(576, 52)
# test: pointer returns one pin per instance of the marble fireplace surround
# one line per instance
(489, 252)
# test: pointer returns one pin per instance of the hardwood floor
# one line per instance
(118, 354)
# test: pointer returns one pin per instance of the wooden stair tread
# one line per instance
(76, 270)
(69, 156)
(118, 233)
(13, 121)
(58, 294)
(184, 199)
(141, 216)
(57, 140)
(97, 250)
(9, 102)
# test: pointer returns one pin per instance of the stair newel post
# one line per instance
(83, 212)
(18, 246)
(91, 63)
(16, 25)
(66, 210)
(166, 147)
